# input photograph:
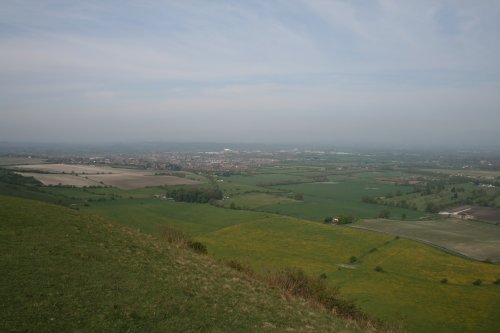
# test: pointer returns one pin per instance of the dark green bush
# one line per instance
(379, 269)
(444, 281)
(477, 282)
(197, 247)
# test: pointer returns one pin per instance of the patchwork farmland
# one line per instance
(82, 175)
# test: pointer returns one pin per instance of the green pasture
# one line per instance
(107, 193)
(409, 290)
(231, 189)
(149, 215)
(339, 198)
(66, 271)
(255, 201)
(342, 195)
(316, 209)
(473, 239)
(353, 190)
(467, 172)
(264, 178)
(445, 198)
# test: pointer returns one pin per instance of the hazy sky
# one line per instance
(341, 72)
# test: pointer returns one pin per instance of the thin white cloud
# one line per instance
(160, 69)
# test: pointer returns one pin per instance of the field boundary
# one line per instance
(426, 242)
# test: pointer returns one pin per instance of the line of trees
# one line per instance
(195, 194)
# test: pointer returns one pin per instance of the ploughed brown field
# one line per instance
(83, 175)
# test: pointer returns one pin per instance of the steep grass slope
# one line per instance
(66, 271)
(409, 291)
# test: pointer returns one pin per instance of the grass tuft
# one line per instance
(181, 239)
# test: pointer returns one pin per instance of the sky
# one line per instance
(358, 72)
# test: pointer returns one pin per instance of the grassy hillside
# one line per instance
(149, 215)
(409, 290)
(63, 271)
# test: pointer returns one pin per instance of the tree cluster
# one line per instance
(195, 194)
(347, 219)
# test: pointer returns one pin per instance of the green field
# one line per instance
(65, 271)
(339, 198)
(408, 291)
(341, 193)
(149, 215)
(474, 239)
(448, 196)
(256, 201)
(265, 178)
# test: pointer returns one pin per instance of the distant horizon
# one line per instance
(148, 146)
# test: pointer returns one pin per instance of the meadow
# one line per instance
(275, 222)
(477, 240)
(337, 194)
(408, 290)
(450, 195)
(65, 271)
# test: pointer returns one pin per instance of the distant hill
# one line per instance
(66, 271)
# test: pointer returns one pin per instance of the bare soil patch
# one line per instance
(137, 180)
(60, 179)
(89, 175)
(68, 168)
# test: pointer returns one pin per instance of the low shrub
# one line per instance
(296, 282)
(477, 282)
(353, 259)
(444, 281)
(197, 247)
(497, 281)
(379, 269)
